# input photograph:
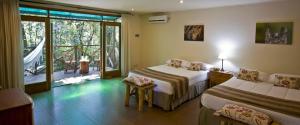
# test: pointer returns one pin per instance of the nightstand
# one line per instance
(218, 77)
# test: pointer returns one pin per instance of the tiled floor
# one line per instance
(101, 102)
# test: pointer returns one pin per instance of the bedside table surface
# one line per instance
(218, 77)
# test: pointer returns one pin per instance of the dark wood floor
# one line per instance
(101, 102)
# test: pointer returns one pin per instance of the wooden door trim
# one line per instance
(104, 73)
(41, 86)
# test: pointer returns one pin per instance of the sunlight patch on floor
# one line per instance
(88, 89)
(77, 80)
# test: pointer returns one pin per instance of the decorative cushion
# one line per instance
(204, 66)
(195, 66)
(287, 82)
(140, 81)
(249, 75)
(273, 79)
(244, 114)
(175, 63)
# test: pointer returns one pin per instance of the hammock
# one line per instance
(34, 56)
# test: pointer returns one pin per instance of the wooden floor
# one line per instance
(101, 102)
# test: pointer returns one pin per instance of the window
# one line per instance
(73, 39)
(66, 15)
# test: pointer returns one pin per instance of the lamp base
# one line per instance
(222, 66)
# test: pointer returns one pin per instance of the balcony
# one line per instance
(68, 65)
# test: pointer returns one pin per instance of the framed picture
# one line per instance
(194, 33)
(274, 33)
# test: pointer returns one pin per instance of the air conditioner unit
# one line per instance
(158, 19)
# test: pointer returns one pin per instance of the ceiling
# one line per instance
(148, 6)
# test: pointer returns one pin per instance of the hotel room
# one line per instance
(150, 62)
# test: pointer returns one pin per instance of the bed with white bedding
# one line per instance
(211, 101)
(197, 83)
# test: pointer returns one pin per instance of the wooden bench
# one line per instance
(139, 92)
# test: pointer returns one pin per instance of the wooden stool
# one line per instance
(140, 93)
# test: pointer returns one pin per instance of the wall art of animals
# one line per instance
(194, 33)
(274, 33)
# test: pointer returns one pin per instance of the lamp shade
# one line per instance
(222, 56)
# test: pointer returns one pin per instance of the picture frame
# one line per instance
(274, 33)
(194, 33)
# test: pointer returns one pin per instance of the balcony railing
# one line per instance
(74, 53)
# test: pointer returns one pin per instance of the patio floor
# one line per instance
(62, 76)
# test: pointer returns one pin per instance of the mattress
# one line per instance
(165, 87)
(216, 103)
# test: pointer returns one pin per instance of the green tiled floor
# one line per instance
(101, 102)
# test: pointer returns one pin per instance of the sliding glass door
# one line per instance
(63, 47)
(76, 50)
(111, 50)
(35, 38)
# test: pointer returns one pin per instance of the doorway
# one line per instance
(111, 50)
(76, 50)
(36, 46)
(62, 44)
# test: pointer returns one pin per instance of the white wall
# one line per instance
(131, 45)
(230, 29)
(135, 44)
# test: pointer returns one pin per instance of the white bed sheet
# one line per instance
(163, 86)
(216, 103)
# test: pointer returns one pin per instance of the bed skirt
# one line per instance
(166, 102)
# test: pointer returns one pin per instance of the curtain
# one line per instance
(11, 62)
(125, 61)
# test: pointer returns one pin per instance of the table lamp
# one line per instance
(222, 56)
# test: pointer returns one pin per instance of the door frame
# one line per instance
(41, 86)
(115, 73)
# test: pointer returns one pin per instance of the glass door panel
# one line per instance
(112, 48)
(33, 35)
(112, 42)
(35, 53)
(76, 50)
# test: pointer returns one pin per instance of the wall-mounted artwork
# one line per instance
(274, 33)
(194, 33)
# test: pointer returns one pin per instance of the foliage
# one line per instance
(32, 34)
(78, 38)
(72, 39)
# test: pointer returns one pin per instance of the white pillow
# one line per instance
(272, 78)
(263, 77)
(185, 64)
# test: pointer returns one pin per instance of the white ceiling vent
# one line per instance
(158, 19)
